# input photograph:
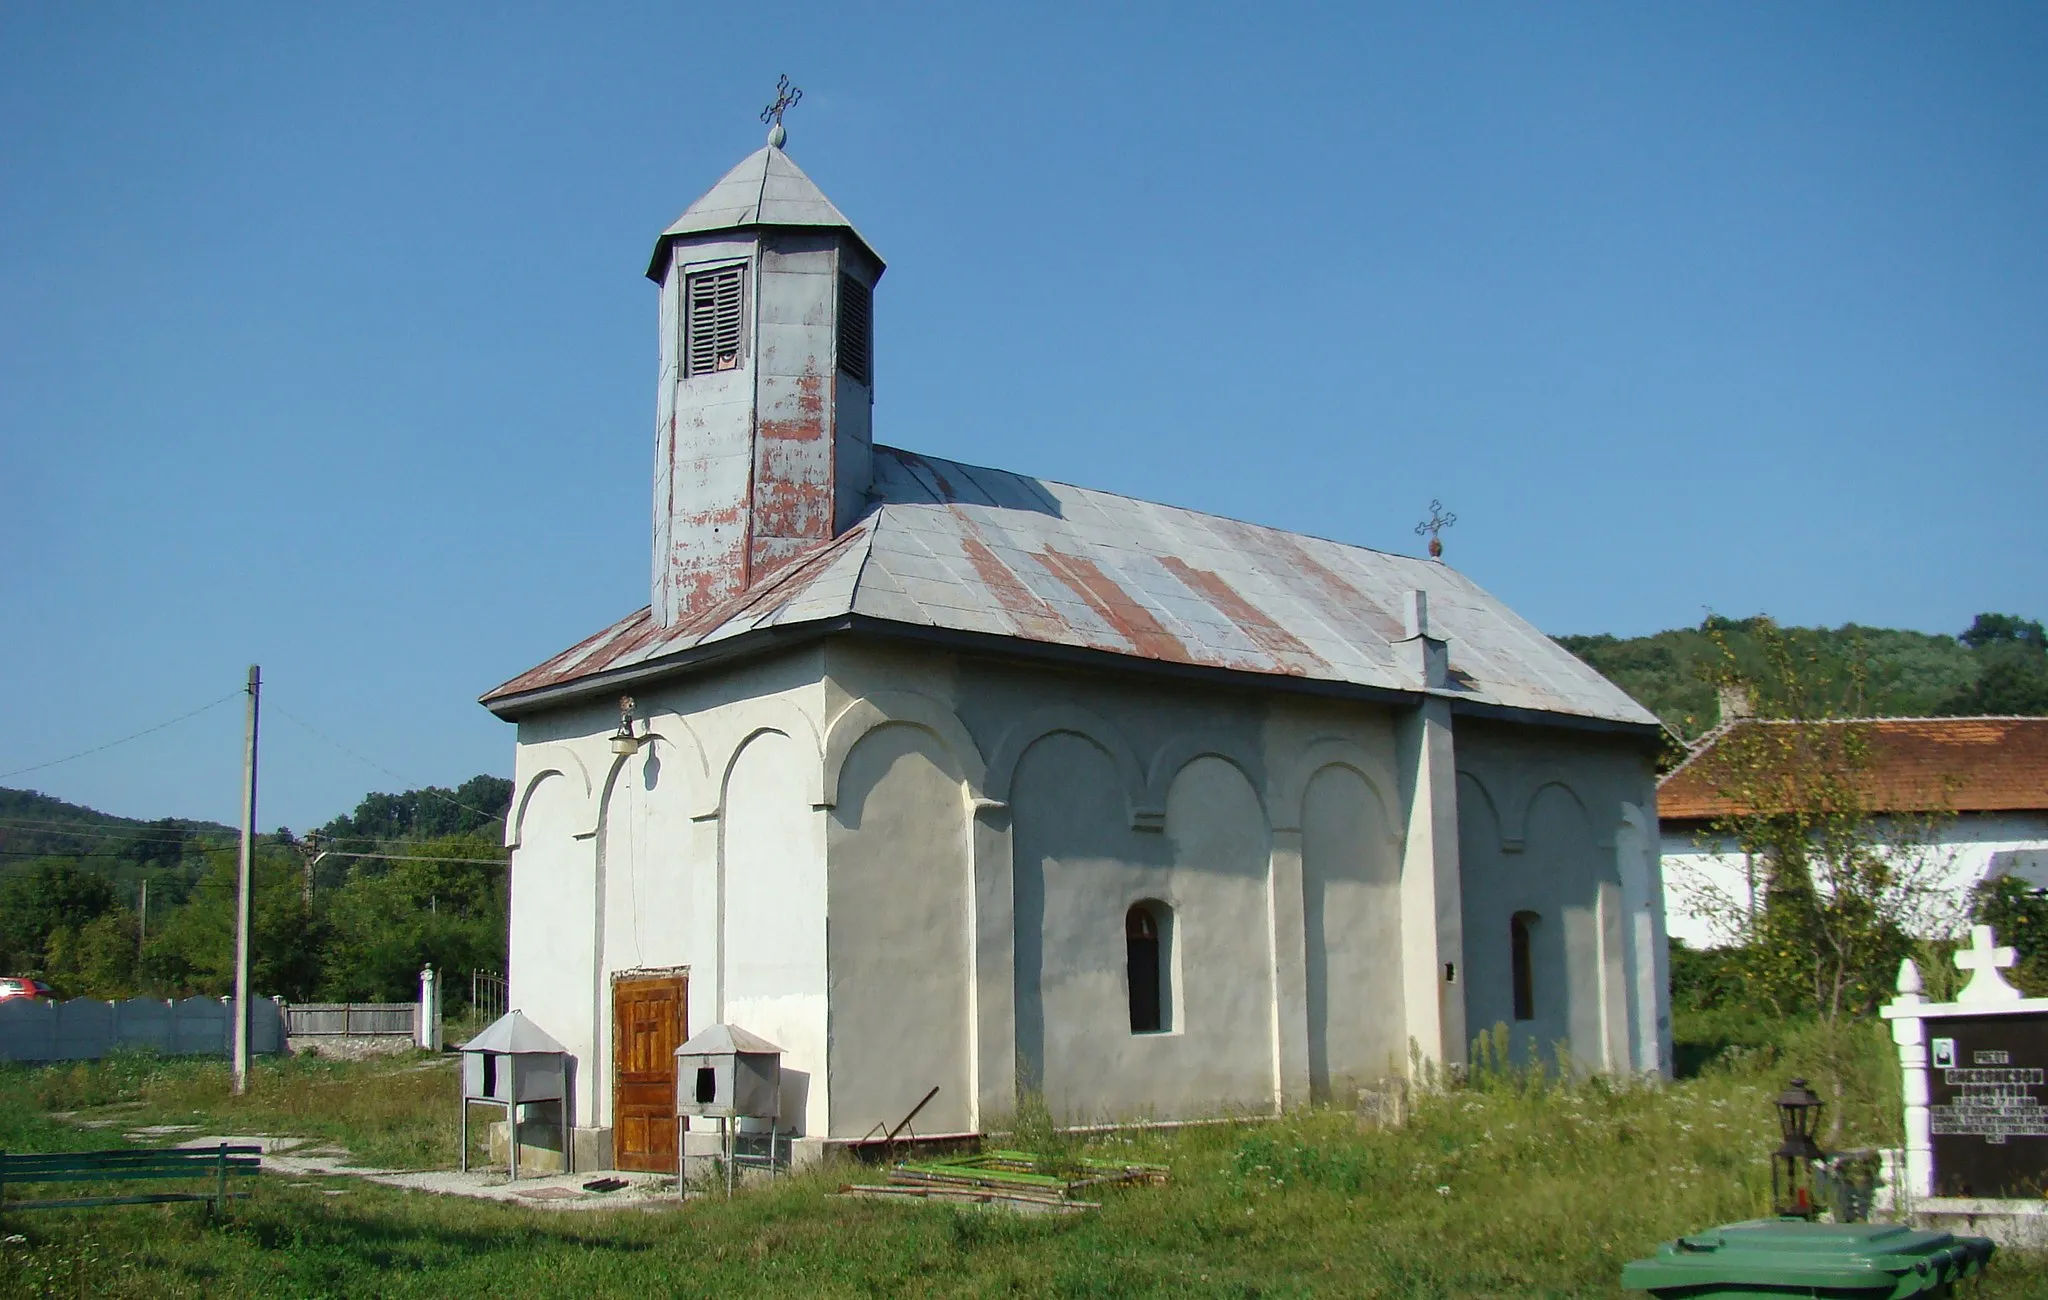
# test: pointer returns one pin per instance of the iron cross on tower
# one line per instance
(1433, 526)
(786, 97)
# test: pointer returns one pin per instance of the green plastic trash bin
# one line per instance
(1791, 1257)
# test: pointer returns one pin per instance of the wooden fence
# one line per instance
(353, 1020)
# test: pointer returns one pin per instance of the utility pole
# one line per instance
(241, 1076)
(310, 852)
(142, 922)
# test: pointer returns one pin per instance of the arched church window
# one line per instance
(1520, 931)
(1148, 929)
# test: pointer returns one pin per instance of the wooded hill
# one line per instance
(1999, 665)
(403, 880)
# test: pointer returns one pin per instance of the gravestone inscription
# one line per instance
(1988, 1104)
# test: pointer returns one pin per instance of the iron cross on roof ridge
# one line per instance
(786, 97)
(1433, 526)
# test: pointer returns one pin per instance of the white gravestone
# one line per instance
(1975, 1081)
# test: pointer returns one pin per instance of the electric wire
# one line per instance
(401, 857)
(54, 827)
(418, 788)
(196, 842)
(37, 767)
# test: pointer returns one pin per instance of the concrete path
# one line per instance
(304, 1158)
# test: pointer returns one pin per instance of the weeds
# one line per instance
(1519, 1181)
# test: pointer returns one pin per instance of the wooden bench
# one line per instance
(131, 1164)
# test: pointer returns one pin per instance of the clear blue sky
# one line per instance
(324, 342)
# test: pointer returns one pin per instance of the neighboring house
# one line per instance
(1984, 780)
(944, 776)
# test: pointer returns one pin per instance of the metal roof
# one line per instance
(965, 549)
(766, 189)
(725, 1040)
(513, 1032)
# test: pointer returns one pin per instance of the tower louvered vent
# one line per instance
(856, 329)
(712, 324)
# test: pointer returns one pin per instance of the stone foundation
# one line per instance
(2010, 1223)
(349, 1047)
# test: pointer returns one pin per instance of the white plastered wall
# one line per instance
(1235, 809)
(1029, 809)
(1957, 856)
(552, 838)
(703, 851)
(1551, 823)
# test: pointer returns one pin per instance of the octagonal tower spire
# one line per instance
(764, 406)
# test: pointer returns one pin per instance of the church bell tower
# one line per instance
(766, 397)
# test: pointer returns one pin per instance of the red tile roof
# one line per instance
(1915, 765)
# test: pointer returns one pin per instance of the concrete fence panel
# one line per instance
(199, 1025)
(144, 1022)
(28, 1030)
(84, 1029)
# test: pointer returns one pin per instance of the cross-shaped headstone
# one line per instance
(1984, 958)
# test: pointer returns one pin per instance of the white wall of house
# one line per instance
(1956, 857)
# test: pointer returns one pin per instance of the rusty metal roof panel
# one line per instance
(766, 189)
(814, 586)
(1052, 562)
(978, 550)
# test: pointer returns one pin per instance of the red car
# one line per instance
(13, 987)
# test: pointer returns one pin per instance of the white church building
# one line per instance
(941, 776)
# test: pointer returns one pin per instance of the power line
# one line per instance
(428, 791)
(400, 857)
(113, 832)
(325, 853)
(361, 758)
(37, 767)
(118, 823)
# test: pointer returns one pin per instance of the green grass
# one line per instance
(1513, 1186)
(394, 1113)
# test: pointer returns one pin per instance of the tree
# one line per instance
(97, 959)
(2011, 656)
(194, 951)
(447, 910)
(2012, 678)
(2004, 629)
(1843, 890)
(427, 813)
(52, 894)
(2019, 915)
(160, 844)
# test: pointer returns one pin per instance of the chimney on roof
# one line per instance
(1737, 703)
(1417, 613)
(1425, 654)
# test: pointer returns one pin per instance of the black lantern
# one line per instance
(1792, 1163)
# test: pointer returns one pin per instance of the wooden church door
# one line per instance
(650, 1020)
